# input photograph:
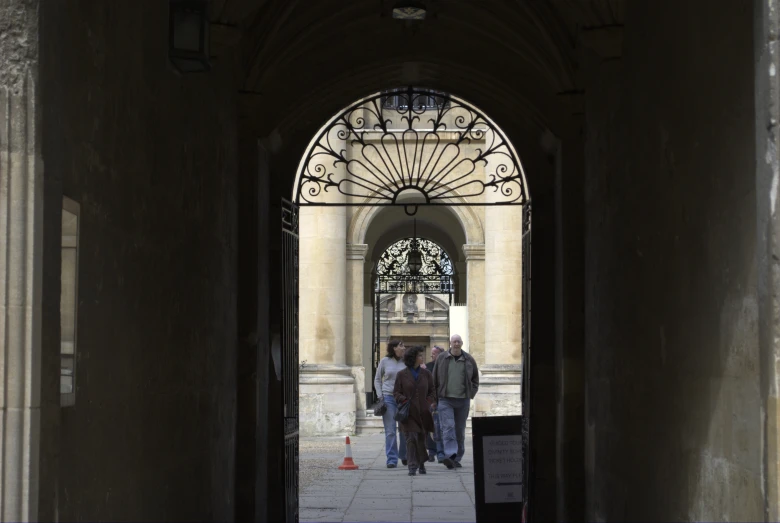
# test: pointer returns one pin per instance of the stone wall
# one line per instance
(151, 158)
(767, 92)
(673, 420)
(21, 268)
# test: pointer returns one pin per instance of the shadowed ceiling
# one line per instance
(303, 60)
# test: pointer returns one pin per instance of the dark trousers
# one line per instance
(416, 454)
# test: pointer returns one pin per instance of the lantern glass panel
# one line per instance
(415, 262)
(187, 27)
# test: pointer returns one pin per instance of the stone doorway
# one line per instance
(460, 178)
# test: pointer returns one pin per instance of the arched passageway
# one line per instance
(370, 173)
(653, 164)
(442, 161)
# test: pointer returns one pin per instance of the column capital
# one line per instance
(474, 251)
(357, 251)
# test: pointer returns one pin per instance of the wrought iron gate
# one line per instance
(290, 356)
(433, 274)
(526, 364)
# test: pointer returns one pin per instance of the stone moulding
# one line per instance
(500, 373)
(474, 251)
(357, 251)
(326, 373)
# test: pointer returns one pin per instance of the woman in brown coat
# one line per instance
(415, 384)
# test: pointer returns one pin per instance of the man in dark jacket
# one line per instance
(434, 445)
(456, 379)
(435, 351)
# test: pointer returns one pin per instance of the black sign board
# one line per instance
(498, 467)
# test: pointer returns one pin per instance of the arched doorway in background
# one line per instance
(407, 148)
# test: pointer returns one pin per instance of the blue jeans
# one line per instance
(434, 444)
(453, 413)
(393, 449)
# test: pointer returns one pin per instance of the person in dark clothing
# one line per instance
(434, 444)
(435, 351)
(414, 384)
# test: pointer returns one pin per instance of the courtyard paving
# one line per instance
(378, 494)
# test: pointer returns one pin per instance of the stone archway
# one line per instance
(380, 232)
(375, 155)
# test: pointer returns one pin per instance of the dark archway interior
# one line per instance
(636, 125)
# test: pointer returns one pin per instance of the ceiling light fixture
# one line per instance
(409, 10)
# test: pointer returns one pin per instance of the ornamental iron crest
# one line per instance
(435, 261)
(394, 276)
(411, 147)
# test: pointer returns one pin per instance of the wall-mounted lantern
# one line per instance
(414, 258)
(415, 261)
(188, 38)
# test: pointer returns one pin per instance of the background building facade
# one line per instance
(340, 251)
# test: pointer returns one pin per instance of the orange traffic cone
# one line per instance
(348, 464)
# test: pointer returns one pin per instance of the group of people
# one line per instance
(439, 394)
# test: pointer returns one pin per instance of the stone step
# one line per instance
(370, 414)
(374, 425)
(369, 425)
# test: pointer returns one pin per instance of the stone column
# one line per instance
(327, 396)
(356, 259)
(21, 255)
(474, 344)
(500, 375)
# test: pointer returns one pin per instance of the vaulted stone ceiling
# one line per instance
(304, 59)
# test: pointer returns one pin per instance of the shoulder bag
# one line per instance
(380, 407)
(402, 414)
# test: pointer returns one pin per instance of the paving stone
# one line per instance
(338, 479)
(384, 503)
(453, 514)
(318, 502)
(322, 515)
(375, 493)
(378, 516)
(438, 486)
(327, 490)
(442, 499)
(399, 493)
(388, 485)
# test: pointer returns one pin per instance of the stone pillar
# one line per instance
(322, 285)
(500, 375)
(21, 255)
(356, 259)
(327, 396)
(474, 344)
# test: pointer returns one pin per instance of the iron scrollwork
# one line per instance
(411, 142)
(435, 261)
(435, 275)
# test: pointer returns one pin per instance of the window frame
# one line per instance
(68, 399)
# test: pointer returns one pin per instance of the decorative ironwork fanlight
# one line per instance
(414, 258)
(414, 265)
(424, 148)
